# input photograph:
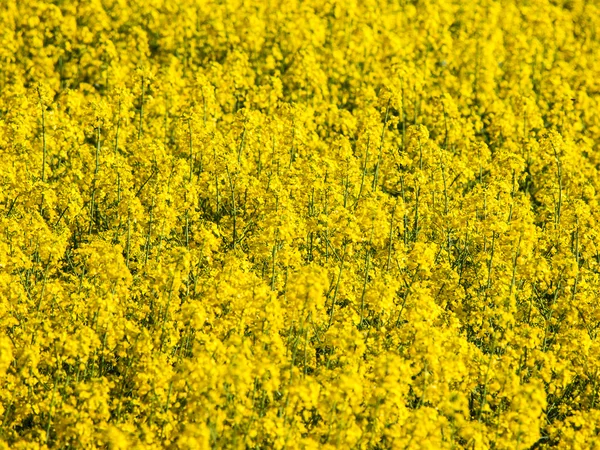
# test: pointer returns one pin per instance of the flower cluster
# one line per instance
(299, 224)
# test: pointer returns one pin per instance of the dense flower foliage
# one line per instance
(260, 224)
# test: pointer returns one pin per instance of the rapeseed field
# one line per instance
(299, 224)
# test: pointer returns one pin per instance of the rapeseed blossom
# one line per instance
(299, 224)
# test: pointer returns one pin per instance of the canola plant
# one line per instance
(285, 224)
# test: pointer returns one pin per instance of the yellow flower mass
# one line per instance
(285, 224)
